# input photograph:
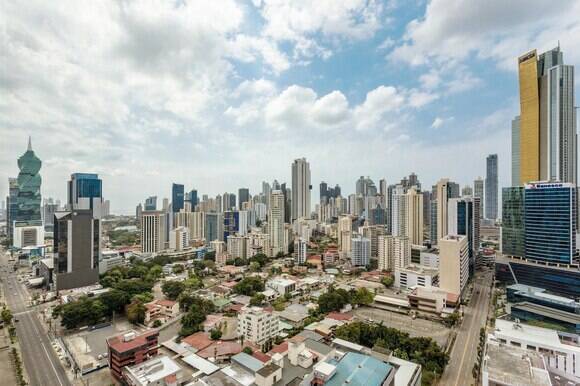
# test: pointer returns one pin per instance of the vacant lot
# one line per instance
(416, 327)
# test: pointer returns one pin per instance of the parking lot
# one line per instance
(414, 327)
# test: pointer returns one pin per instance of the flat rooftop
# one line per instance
(513, 366)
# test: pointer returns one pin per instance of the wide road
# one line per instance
(464, 352)
(42, 364)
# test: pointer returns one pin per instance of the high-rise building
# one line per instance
(193, 199)
(550, 222)
(478, 191)
(85, 191)
(383, 192)
(179, 238)
(138, 212)
(231, 223)
(11, 206)
(228, 201)
(276, 223)
(360, 251)
(466, 191)
(453, 263)
(151, 203)
(414, 226)
(344, 233)
(463, 219)
(214, 227)
(548, 139)
(394, 252)
(442, 197)
(77, 249)
(237, 247)
(300, 250)
(153, 229)
(399, 212)
(323, 192)
(300, 189)
(512, 223)
(365, 187)
(243, 196)
(491, 188)
(177, 197)
(266, 189)
(516, 151)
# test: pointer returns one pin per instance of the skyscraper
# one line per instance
(151, 203)
(453, 263)
(512, 223)
(463, 219)
(28, 196)
(77, 248)
(491, 187)
(243, 196)
(478, 189)
(177, 197)
(193, 199)
(11, 206)
(323, 192)
(442, 197)
(516, 151)
(548, 139)
(276, 222)
(85, 191)
(300, 189)
(414, 211)
(153, 231)
(550, 222)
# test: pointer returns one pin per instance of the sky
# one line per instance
(219, 95)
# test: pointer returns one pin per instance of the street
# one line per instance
(464, 353)
(41, 362)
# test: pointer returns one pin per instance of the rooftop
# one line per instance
(248, 361)
(153, 370)
(515, 366)
(118, 343)
(358, 369)
(199, 340)
(527, 333)
(268, 370)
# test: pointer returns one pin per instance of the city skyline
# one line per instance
(406, 97)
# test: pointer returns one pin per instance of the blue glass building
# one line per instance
(28, 192)
(193, 198)
(550, 222)
(231, 223)
(84, 185)
(177, 197)
(151, 203)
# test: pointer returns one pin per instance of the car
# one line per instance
(16, 320)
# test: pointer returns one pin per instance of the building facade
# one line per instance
(301, 187)
(491, 187)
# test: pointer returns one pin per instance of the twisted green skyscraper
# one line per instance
(29, 186)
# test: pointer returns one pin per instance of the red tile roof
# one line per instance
(118, 344)
(339, 316)
(223, 348)
(165, 303)
(279, 348)
(199, 340)
(261, 356)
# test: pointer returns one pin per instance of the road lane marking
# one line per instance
(47, 354)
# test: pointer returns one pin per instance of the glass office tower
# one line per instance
(512, 227)
(84, 186)
(177, 197)
(550, 222)
(28, 193)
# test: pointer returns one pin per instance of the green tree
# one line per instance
(249, 285)
(248, 350)
(6, 316)
(362, 296)
(178, 268)
(115, 300)
(172, 289)
(387, 281)
(136, 312)
(254, 266)
(157, 323)
(215, 334)
(193, 282)
(258, 299)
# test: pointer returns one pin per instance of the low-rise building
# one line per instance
(158, 371)
(130, 349)
(257, 325)
(109, 260)
(560, 351)
(416, 276)
(162, 310)
(282, 286)
(428, 299)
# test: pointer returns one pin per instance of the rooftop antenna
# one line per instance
(29, 143)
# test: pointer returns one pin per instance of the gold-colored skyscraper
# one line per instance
(529, 118)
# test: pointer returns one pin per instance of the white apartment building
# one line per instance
(300, 248)
(281, 285)
(344, 233)
(453, 263)
(276, 223)
(257, 243)
(414, 211)
(394, 252)
(152, 231)
(179, 239)
(257, 325)
(360, 251)
(237, 247)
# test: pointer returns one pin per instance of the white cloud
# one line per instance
(452, 31)
(437, 123)
(299, 22)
